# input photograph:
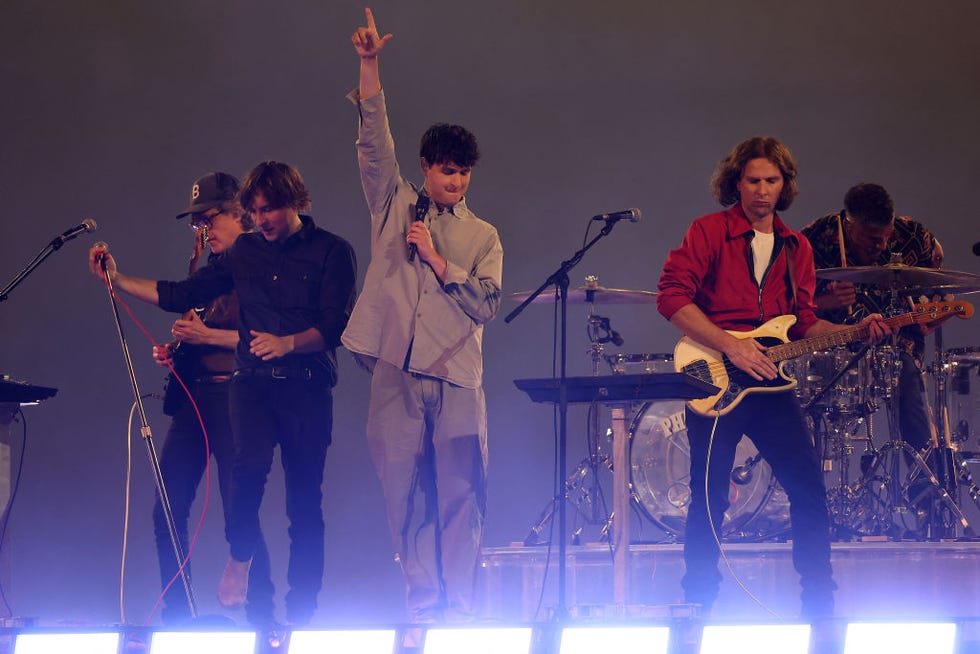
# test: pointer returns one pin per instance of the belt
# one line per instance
(277, 372)
(213, 379)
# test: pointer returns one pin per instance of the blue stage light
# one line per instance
(755, 639)
(513, 640)
(625, 640)
(900, 638)
(197, 642)
(381, 641)
(59, 643)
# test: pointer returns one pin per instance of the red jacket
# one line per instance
(713, 269)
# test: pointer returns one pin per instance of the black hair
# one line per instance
(445, 143)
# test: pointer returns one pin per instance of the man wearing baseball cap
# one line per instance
(203, 355)
(295, 283)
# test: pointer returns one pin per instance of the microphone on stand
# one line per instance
(87, 225)
(421, 208)
(632, 215)
(742, 474)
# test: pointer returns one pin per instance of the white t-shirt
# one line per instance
(762, 245)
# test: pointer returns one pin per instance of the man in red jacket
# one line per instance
(735, 270)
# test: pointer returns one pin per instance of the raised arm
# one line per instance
(368, 43)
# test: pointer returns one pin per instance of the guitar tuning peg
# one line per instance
(923, 299)
(948, 297)
(935, 298)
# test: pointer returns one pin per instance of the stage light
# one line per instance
(202, 642)
(76, 643)
(342, 642)
(628, 640)
(756, 639)
(500, 640)
(900, 638)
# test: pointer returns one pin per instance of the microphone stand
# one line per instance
(147, 434)
(45, 252)
(559, 278)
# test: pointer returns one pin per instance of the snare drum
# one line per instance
(640, 364)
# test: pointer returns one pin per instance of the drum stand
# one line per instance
(847, 504)
(951, 467)
(582, 487)
(899, 494)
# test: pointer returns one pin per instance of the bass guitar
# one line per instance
(710, 365)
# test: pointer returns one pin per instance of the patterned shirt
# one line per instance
(917, 247)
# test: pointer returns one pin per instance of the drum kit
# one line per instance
(877, 488)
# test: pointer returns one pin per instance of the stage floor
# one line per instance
(876, 580)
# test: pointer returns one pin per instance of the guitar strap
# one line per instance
(790, 272)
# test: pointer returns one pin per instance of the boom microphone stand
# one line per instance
(559, 279)
(147, 434)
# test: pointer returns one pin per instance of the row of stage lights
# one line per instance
(855, 638)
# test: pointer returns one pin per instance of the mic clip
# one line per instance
(611, 335)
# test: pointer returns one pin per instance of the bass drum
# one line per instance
(660, 474)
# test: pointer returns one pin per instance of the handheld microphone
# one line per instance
(632, 215)
(87, 225)
(104, 246)
(421, 208)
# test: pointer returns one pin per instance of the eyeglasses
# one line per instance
(205, 221)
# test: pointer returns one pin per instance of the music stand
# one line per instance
(617, 391)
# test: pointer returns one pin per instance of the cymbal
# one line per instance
(592, 294)
(896, 275)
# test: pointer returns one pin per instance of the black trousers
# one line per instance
(182, 462)
(296, 415)
(774, 423)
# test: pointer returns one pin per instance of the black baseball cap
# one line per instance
(212, 190)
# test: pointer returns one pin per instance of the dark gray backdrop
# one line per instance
(111, 109)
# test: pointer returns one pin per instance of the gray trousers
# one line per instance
(428, 441)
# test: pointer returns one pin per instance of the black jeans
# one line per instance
(182, 462)
(297, 416)
(774, 423)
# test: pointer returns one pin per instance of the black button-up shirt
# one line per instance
(283, 288)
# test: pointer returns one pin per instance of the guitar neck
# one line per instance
(795, 349)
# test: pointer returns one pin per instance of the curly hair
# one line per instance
(445, 143)
(869, 204)
(280, 184)
(724, 182)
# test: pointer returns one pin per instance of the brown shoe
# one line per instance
(233, 586)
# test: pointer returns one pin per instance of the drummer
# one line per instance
(868, 233)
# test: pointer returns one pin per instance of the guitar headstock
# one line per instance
(927, 312)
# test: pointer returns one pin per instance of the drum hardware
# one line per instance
(902, 493)
(582, 486)
(850, 365)
(949, 472)
(853, 512)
